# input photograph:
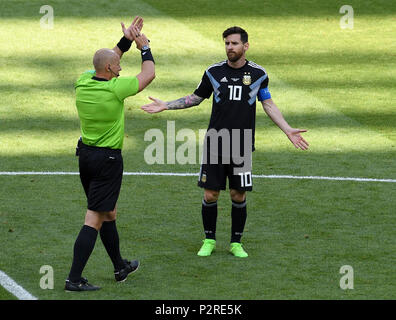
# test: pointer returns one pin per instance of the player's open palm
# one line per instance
(298, 141)
(156, 106)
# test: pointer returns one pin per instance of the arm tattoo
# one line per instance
(185, 102)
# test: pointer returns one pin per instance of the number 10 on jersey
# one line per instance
(235, 92)
(246, 179)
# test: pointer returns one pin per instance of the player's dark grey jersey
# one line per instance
(234, 95)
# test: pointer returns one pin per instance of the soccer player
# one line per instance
(236, 83)
(100, 98)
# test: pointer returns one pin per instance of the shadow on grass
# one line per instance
(137, 122)
(188, 9)
(60, 64)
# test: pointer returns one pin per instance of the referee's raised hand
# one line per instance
(137, 22)
(139, 38)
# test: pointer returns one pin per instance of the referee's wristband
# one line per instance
(146, 55)
(124, 44)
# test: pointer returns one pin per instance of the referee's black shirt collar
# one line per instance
(99, 79)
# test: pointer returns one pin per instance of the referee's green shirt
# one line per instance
(100, 106)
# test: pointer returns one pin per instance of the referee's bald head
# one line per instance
(104, 57)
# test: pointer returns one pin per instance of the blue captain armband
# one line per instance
(264, 94)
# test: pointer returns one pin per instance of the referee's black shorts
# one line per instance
(101, 176)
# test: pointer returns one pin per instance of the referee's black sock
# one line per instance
(83, 247)
(209, 219)
(238, 220)
(111, 241)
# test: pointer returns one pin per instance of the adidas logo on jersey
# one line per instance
(224, 80)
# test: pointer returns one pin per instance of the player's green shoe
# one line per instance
(209, 245)
(237, 250)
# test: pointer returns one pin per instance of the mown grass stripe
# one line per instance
(189, 174)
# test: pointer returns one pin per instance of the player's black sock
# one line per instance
(111, 241)
(209, 219)
(83, 247)
(238, 219)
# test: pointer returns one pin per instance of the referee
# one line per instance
(100, 98)
(236, 84)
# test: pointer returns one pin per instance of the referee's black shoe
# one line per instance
(130, 267)
(82, 285)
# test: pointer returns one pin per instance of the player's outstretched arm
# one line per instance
(182, 103)
(126, 41)
(276, 116)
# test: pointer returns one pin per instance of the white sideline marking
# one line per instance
(325, 178)
(176, 174)
(11, 286)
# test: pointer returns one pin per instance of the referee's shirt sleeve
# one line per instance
(204, 89)
(124, 87)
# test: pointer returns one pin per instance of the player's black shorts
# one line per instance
(214, 176)
(101, 176)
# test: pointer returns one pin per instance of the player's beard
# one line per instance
(234, 56)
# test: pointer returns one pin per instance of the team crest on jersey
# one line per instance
(247, 79)
(203, 178)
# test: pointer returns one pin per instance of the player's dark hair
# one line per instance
(234, 30)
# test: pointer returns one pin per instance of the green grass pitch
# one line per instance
(337, 83)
